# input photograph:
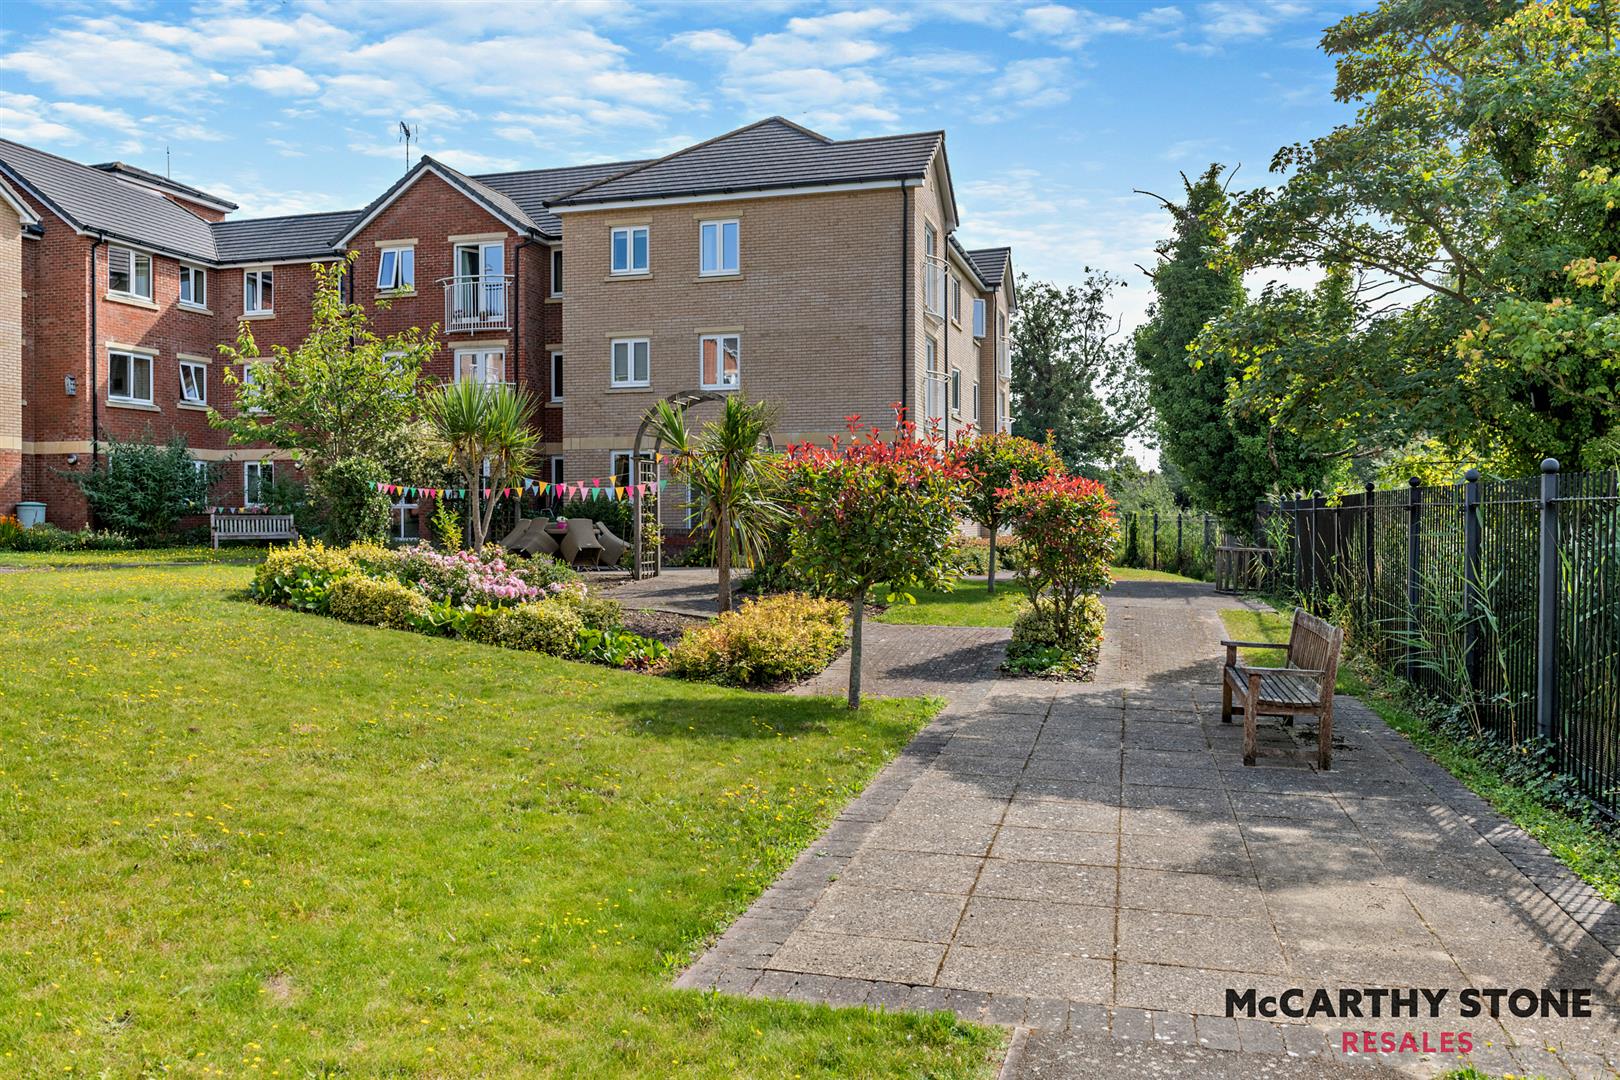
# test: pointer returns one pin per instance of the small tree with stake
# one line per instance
(1069, 530)
(873, 512)
(992, 462)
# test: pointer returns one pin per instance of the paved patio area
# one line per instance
(1094, 863)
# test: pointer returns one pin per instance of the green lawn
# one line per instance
(230, 553)
(970, 602)
(237, 839)
(1591, 854)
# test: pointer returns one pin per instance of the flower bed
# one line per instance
(538, 605)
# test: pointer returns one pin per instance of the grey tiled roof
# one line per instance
(530, 189)
(496, 200)
(991, 263)
(95, 201)
(769, 154)
(294, 236)
(162, 181)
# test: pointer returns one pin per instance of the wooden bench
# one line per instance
(251, 527)
(1302, 687)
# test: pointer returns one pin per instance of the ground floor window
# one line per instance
(556, 468)
(257, 476)
(407, 527)
(624, 468)
(129, 377)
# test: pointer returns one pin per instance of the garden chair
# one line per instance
(613, 548)
(580, 546)
(513, 541)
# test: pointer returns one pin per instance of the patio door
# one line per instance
(481, 281)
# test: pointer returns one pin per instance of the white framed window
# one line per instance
(956, 300)
(556, 271)
(556, 468)
(129, 273)
(256, 477)
(396, 270)
(935, 380)
(556, 376)
(258, 292)
(975, 401)
(630, 249)
(481, 365)
(956, 390)
(978, 317)
(193, 382)
(632, 362)
(407, 527)
(129, 377)
(720, 361)
(250, 377)
(718, 248)
(193, 286)
(622, 463)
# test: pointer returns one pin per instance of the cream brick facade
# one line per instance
(14, 214)
(816, 303)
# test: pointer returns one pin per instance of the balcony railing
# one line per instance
(477, 303)
(935, 386)
(934, 280)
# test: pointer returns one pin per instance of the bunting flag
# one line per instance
(579, 489)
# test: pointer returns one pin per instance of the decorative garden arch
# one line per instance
(648, 559)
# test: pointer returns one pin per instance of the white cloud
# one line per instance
(102, 58)
(282, 79)
(1031, 84)
(22, 117)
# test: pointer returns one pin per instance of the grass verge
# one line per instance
(1591, 853)
(970, 602)
(237, 838)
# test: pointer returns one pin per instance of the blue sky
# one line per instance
(1054, 112)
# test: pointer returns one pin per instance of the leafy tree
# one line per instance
(734, 479)
(1072, 379)
(991, 463)
(352, 509)
(1458, 210)
(344, 393)
(1069, 531)
(484, 425)
(869, 512)
(146, 488)
(1225, 465)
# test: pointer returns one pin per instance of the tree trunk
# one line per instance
(857, 608)
(722, 561)
(475, 524)
(990, 586)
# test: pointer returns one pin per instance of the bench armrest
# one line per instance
(1256, 644)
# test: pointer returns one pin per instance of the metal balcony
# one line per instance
(477, 303)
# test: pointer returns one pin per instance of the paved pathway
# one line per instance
(1092, 862)
(684, 590)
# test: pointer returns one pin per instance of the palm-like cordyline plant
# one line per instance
(484, 422)
(735, 481)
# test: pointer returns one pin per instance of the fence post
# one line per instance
(1547, 603)
(1181, 565)
(1317, 502)
(1414, 567)
(1372, 556)
(1155, 539)
(1471, 576)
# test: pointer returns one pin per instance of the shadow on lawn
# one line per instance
(743, 715)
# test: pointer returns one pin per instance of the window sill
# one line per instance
(255, 316)
(729, 388)
(640, 275)
(554, 298)
(393, 294)
(192, 406)
(138, 406)
(132, 301)
(639, 388)
(198, 308)
(731, 275)
(554, 403)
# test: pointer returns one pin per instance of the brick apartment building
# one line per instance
(771, 261)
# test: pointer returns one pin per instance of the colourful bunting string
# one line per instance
(592, 489)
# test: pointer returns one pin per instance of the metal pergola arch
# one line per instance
(647, 562)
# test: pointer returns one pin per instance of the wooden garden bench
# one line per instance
(1302, 687)
(251, 527)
